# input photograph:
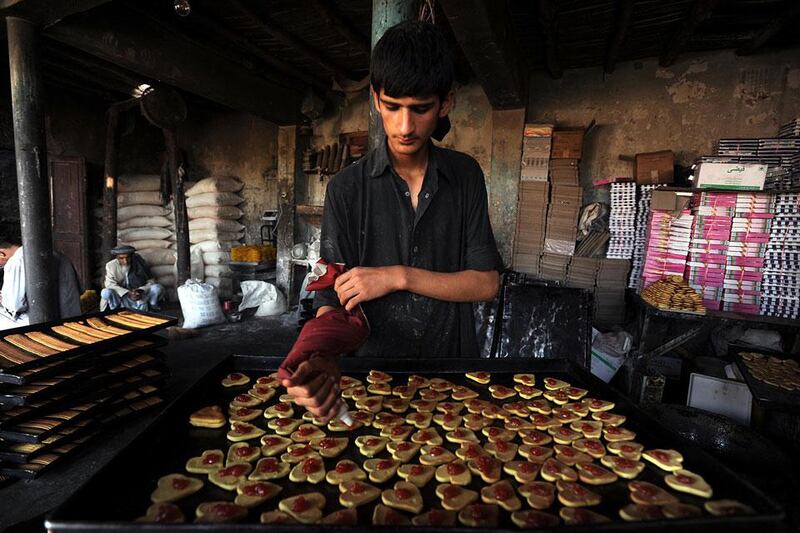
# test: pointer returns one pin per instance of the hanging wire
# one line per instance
(427, 13)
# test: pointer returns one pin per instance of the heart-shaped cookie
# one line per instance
(209, 461)
(354, 393)
(593, 447)
(454, 472)
(479, 515)
(311, 469)
(476, 406)
(727, 508)
(345, 470)
(532, 519)
(597, 406)
(576, 495)
(386, 516)
(417, 475)
(245, 400)
(404, 496)
(539, 407)
(397, 433)
(527, 392)
(535, 454)
(435, 518)
(634, 512)
(570, 456)
(252, 493)
(592, 474)
(365, 418)
(486, 467)
(627, 449)
(385, 419)
(355, 493)
(383, 389)
(423, 406)
(463, 393)
(565, 416)
(405, 392)
(525, 379)
(553, 470)
(523, 471)
(554, 384)
(429, 395)
(564, 435)
(590, 429)
(502, 494)
(461, 435)
(578, 408)
(403, 451)
(373, 404)
(575, 393)
(470, 450)
(235, 379)
(230, 476)
(419, 420)
(545, 422)
(535, 437)
(539, 494)
(681, 510)
(376, 376)
(286, 398)
(306, 433)
(163, 513)
(427, 436)
(241, 431)
(559, 397)
(173, 487)
(578, 516)
(617, 434)
(689, 482)
(494, 412)
(435, 455)
(241, 452)
(269, 468)
(479, 377)
(418, 382)
(494, 434)
(370, 446)
(623, 467)
(219, 512)
(339, 425)
(515, 423)
(269, 381)
(243, 414)
(284, 426)
(342, 517)
(305, 508)
(346, 382)
(503, 451)
(274, 444)
(297, 453)
(476, 421)
(381, 470)
(447, 421)
(645, 493)
(455, 498)
(279, 410)
(609, 419)
(440, 385)
(669, 460)
(262, 392)
(454, 408)
(329, 446)
(208, 417)
(276, 517)
(309, 417)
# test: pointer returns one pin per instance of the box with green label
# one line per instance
(733, 176)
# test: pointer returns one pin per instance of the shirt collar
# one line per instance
(380, 161)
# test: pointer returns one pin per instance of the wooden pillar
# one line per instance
(179, 204)
(503, 182)
(385, 14)
(287, 169)
(32, 177)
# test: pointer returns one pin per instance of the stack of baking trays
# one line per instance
(62, 383)
(498, 444)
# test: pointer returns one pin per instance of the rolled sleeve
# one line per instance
(335, 243)
(481, 253)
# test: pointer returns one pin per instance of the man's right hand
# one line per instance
(135, 295)
(315, 386)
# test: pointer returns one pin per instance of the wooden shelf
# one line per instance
(309, 210)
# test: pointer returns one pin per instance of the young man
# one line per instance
(409, 219)
(13, 297)
(129, 283)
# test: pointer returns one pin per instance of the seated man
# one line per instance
(129, 283)
(13, 297)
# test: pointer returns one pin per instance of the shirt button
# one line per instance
(415, 249)
(427, 195)
(408, 193)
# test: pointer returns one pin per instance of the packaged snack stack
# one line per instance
(705, 268)
(622, 221)
(781, 285)
(668, 238)
(645, 194)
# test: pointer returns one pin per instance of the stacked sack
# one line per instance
(214, 226)
(146, 224)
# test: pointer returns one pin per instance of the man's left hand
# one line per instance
(362, 284)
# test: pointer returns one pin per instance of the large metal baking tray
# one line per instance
(166, 445)
(767, 396)
(12, 373)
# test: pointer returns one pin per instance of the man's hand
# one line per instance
(134, 295)
(315, 386)
(362, 284)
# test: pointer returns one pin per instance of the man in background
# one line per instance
(13, 297)
(129, 283)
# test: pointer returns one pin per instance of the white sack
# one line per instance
(216, 258)
(214, 245)
(217, 224)
(216, 271)
(215, 211)
(139, 198)
(145, 222)
(214, 199)
(269, 300)
(199, 304)
(201, 235)
(158, 256)
(133, 211)
(207, 185)
(138, 234)
(147, 243)
(139, 182)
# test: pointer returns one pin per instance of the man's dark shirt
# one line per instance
(368, 221)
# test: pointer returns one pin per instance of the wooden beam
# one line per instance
(482, 30)
(290, 40)
(45, 14)
(341, 26)
(701, 11)
(623, 23)
(141, 47)
(548, 18)
(770, 29)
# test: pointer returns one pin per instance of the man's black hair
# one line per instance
(413, 59)
(10, 239)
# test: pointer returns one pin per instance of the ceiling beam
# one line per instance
(701, 11)
(483, 32)
(621, 27)
(289, 40)
(47, 13)
(548, 19)
(137, 45)
(770, 29)
(335, 21)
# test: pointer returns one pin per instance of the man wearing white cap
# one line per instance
(129, 283)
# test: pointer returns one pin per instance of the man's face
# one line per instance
(410, 121)
(124, 260)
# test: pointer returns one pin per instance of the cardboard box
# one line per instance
(567, 144)
(655, 167)
(672, 201)
(733, 176)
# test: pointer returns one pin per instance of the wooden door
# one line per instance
(70, 219)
